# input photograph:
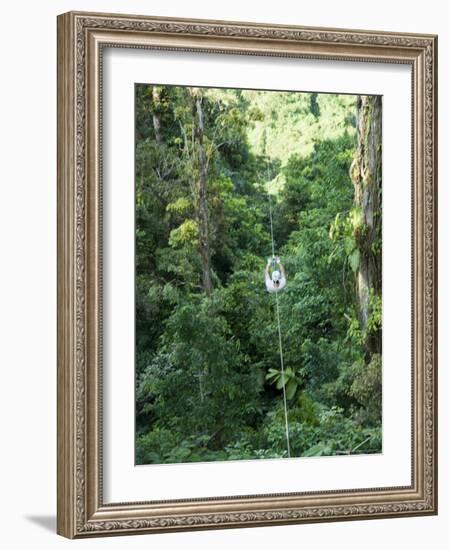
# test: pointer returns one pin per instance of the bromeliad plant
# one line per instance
(287, 379)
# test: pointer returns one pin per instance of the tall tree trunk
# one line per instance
(366, 176)
(156, 97)
(201, 190)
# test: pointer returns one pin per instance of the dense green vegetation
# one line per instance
(208, 379)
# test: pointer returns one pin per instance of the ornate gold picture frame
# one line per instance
(82, 39)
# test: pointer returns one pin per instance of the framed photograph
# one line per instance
(247, 274)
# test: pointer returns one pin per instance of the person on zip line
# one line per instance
(277, 280)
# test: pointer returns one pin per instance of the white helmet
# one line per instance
(276, 276)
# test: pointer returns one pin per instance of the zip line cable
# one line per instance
(271, 227)
(281, 355)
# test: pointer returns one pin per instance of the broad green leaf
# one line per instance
(290, 388)
(354, 260)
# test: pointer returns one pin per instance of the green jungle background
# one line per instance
(208, 380)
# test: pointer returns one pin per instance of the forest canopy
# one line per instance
(209, 383)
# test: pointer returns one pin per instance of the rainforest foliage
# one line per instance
(208, 378)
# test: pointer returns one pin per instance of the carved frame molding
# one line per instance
(81, 39)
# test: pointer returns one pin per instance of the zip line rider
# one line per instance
(277, 280)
